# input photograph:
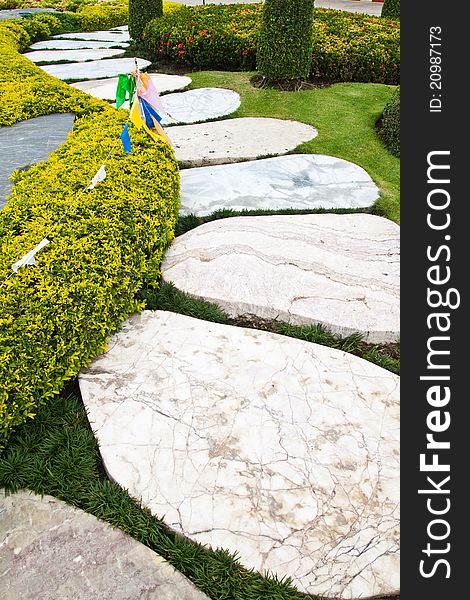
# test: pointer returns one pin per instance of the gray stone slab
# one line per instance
(101, 36)
(94, 69)
(200, 104)
(234, 140)
(105, 89)
(283, 451)
(338, 270)
(53, 44)
(29, 142)
(69, 56)
(299, 181)
(50, 551)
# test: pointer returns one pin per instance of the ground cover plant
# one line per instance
(55, 317)
(345, 46)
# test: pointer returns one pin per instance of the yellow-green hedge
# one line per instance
(56, 316)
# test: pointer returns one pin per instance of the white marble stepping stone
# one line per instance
(53, 44)
(95, 69)
(338, 270)
(106, 89)
(99, 36)
(281, 450)
(237, 139)
(200, 105)
(81, 55)
(300, 181)
(51, 550)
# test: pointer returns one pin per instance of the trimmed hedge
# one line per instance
(391, 9)
(346, 46)
(285, 40)
(55, 317)
(389, 124)
(142, 12)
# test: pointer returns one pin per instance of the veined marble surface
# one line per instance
(53, 44)
(105, 89)
(79, 55)
(282, 450)
(200, 104)
(338, 270)
(110, 67)
(234, 140)
(301, 181)
(50, 551)
(115, 35)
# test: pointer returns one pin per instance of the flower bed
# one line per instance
(346, 46)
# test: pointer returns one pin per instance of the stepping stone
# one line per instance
(51, 550)
(29, 142)
(56, 56)
(106, 89)
(95, 68)
(201, 104)
(53, 44)
(281, 450)
(99, 36)
(299, 181)
(237, 139)
(338, 270)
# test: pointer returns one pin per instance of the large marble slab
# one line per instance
(105, 89)
(200, 104)
(300, 181)
(281, 450)
(115, 35)
(53, 44)
(29, 142)
(110, 67)
(50, 550)
(338, 270)
(234, 140)
(79, 55)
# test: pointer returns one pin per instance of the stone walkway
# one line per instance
(52, 551)
(281, 450)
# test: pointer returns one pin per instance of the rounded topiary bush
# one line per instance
(389, 124)
(391, 9)
(140, 13)
(285, 40)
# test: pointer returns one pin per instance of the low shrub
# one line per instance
(388, 126)
(285, 40)
(391, 9)
(55, 317)
(345, 46)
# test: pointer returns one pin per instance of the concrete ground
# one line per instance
(359, 6)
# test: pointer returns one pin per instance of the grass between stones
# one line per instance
(168, 297)
(345, 115)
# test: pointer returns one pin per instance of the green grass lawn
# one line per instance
(344, 114)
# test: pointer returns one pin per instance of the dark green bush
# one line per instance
(391, 9)
(389, 124)
(346, 46)
(141, 12)
(55, 317)
(285, 40)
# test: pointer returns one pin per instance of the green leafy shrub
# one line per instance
(95, 18)
(285, 40)
(391, 9)
(140, 13)
(55, 317)
(346, 46)
(389, 124)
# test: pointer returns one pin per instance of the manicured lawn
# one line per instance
(344, 114)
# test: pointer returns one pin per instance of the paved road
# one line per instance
(363, 6)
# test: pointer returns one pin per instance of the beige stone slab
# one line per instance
(50, 551)
(281, 450)
(233, 140)
(338, 270)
